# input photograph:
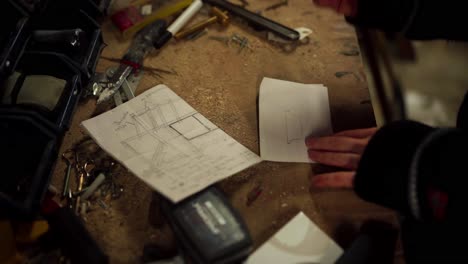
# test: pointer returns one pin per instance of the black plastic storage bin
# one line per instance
(13, 35)
(32, 6)
(48, 64)
(28, 152)
(94, 8)
(32, 126)
(64, 15)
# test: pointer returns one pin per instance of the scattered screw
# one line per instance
(70, 199)
(197, 35)
(342, 74)
(243, 41)
(224, 40)
(243, 44)
(277, 5)
(67, 175)
(236, 38)
(350, 53)
(102, 204)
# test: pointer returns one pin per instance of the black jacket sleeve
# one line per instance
(418, 19)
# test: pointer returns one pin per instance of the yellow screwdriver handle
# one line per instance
(160, 14)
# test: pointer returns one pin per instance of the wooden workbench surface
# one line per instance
(223, 84)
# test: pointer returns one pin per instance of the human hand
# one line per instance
(345, 7)
(343, 150)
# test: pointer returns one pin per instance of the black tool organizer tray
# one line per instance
(13, 35)
(71, 16)
(30, 135)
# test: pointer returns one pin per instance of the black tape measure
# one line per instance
(208, 228)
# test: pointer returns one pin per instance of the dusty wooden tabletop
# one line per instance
(223, 85)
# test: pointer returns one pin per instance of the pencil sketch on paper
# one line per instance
(294, 127)
(288, 113)
(168, 144)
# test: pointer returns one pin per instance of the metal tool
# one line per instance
(101, 81)
(219, 17)
(142, 67)
(128, 87)
(80, 187)
(242, 41)
(67, 175)
(197, 35)
(85, 170)
(133, 59)
(257, 21)
(94, 186)
(122, 73)
(287, 45)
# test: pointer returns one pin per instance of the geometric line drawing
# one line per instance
(190, 128)
(169, 144)
(294, 129)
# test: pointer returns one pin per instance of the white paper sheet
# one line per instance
(289, 112)
(168, 144)
(299, 241)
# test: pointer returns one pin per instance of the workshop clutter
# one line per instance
(97, 178)
(48, 53)
(48, 63)
(141, 13)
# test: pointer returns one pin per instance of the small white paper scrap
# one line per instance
(289, 112)
(299, 241)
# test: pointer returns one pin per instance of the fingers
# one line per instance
(358, 133)
(342, 149)
(334, 180)
(337, 144)
(337, 159)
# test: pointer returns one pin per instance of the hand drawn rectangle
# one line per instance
(293, 126)
(190, 128)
